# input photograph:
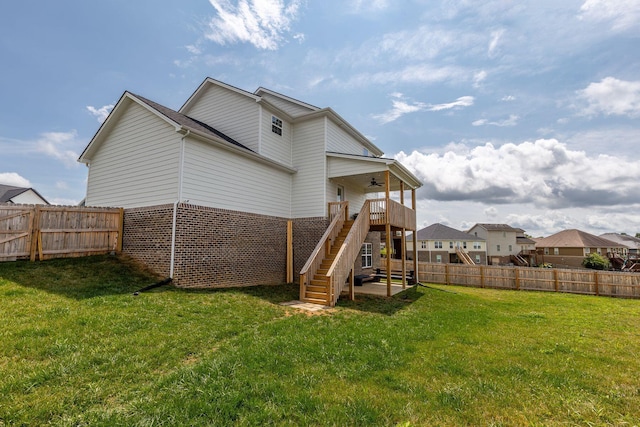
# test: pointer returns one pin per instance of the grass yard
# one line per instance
(78, 348)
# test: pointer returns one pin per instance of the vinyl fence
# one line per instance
(45, 232)
(577, 281)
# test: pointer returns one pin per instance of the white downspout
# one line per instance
(175, 204)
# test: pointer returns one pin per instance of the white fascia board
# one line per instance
(285, 97)
(394, 166)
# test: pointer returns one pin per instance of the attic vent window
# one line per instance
(276, 125)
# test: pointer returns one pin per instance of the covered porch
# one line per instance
(333, 261)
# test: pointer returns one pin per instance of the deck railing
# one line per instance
(348, 253)
(339, 212)
(396, 213)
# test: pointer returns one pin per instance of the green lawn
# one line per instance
(78, 348)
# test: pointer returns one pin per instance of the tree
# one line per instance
(596, 262)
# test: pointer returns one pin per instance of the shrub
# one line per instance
(596, 262)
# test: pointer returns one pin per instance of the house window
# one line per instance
(340, 193)
(464, 245)
(587, 251)
(423, 244)
(510, 248)
(477, 259)
(556, 251)
(367, 258)
(546, 251)
(437, 245)
(498, 248)
(476, 245)
(276, 125)
(439, 259)
(450, 245)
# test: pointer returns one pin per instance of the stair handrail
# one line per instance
(466, 258)
(324, 244)
(348, 253)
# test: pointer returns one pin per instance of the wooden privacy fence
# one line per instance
(588, 282)
(45, 232)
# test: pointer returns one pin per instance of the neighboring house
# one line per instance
(527, 249)
(229, 188)
(442, 244)
(20, 195)
(630, 244)
(502, 242)
(568, 248)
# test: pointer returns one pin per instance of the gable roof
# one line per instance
(8, 192)
(313, 112)
(574, 238)
(497, 227)
(630, 242)
(439, 231)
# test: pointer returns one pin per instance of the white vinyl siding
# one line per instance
(344, 167)
(29, 197)
(291, 108)
(309, 197)
(340, 141)
(354, 195)
(274, 146)
(216, 177)
(229, 112)
(137, 165)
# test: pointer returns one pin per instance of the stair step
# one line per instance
(315, 288)
(316, 295)
(318, 283)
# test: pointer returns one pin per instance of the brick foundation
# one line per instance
(147, 236)
(221, 248)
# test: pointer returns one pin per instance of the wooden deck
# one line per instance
(375, 288)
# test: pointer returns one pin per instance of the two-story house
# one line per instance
(240, 188)
(502, 242)
(442, 244)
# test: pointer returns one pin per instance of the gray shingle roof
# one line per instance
(575, 239)
(8, 192)
(438, 231)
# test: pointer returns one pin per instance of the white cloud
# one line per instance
(400, 107)
(622, 14)
(101, 113)
(12, 178)
(479, 77)
(511, 121)
(508, 98)
(494, 42)
(463, 101)
(544, 173)
(612, 96)
(59, 146)
(263, 23)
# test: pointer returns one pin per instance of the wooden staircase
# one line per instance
(464, 256)
(319, 287)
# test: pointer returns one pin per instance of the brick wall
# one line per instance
(221, 248)
(306, 234)
(147, 236)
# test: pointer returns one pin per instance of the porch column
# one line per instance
(415, 238)
(387, 180)
(403, 242)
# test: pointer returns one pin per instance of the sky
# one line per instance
(518, 112)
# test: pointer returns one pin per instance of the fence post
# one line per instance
(595, 279)
(482, 276)
(35, 233)
(555, 279)
(446, 274)
(517, 270)
(120, 232)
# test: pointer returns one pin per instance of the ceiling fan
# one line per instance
(374, 183)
